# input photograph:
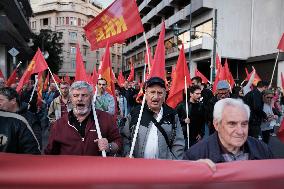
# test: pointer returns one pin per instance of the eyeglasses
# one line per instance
(268, 97)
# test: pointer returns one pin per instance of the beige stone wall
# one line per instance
(79, 12)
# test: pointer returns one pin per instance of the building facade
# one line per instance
(15, 33)
(244, 32)
(69, 17)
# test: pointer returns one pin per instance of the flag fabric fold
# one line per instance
(45, 85)
(116, 23)
(12, 78)
(81, 74)
(178, 82)
(281, 43)
(158, 65)
(256, 77)
(106, 71)
(228, 74)
(38, 64)
(120, 79)
(199, 74)
(131, 75)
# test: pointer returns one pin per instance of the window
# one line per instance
(73, 63)
(85, 50)
(73, 50)
(44, 22)
(67, 20)
(73, 21)
(203, 29)
(184, 38)
(79, 21)
(73, 35)
(33, 25)
(85, 64)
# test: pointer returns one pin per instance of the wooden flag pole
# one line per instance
(96, 120)
(274, 68)
(186, 108)
(54, 80)
(137, 128)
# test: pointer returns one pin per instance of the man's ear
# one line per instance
(216, 124)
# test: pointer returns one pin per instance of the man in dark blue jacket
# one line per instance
(230, 142)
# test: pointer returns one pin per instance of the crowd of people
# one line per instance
(231, 124)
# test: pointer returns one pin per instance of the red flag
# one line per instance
(256, 77)
(173, 72)
(94, 76)
(140, 94)
(131, 75)
(1, 74)
(280, 133)
(281, 43)
(116, 23)
(39, 88)
(80, 74)
(228, 74)
(178, 85)
(56, 78)
(12, 78)
(121, 79)
(67, 79)
(219, 76)
(150, 57)
(38, 64)
(106, 71)
(218, 62)
(158, 66)
(282, 80)
(45, 85)
(199, 74)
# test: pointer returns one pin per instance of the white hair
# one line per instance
(221, 104)
(79, 85)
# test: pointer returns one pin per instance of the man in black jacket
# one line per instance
(255, 102)
(230, 142)
(16, 136)
(196, 116)
(10, 101)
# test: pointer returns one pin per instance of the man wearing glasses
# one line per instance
(104, 101)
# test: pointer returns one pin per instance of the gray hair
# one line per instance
(79, 85)
(220, 105)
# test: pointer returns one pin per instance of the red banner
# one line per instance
(116, 23)
(31, 171)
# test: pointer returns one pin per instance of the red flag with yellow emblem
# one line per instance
(38, 64)
(116, 23)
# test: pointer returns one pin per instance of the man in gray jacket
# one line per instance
(160, 134)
